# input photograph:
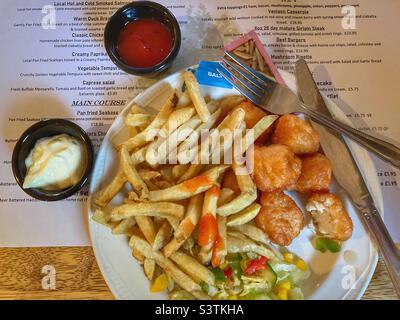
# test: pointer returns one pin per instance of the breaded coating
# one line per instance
(229, 181)
(297, 134)
(316, 174)
(329, 216)
(253, 114)
(275, 167)
(280, 218)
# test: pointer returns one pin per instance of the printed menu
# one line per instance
(53, 64)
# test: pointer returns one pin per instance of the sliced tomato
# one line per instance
(255, 265)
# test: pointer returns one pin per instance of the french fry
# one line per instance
(238, 242)
(109, 192)
(226, 196)
(177, 118)
(157, 151)
(138, 209)
(148, 174)
(177, 274)
(103, 218)
(252, 231)
(242, 54)
(166, 173)
(170, 282)
(138, 109)
(258, 129)
(243, 178)
(189, 245)
(205, 255)
(139, 155)
(124, 227)
(138, 256)
(246, 45)
(163, 236)
(244, 215)
(208, 229)
(186, 226)
(183, 100)
(228, 103)
(133, 131)
(186, 153)
(149, 267)
(247, 196)
(251, 47)
(220, 251)
(151, 185)
(174, 222)
(193, 214)
(147, 227)
(231, 122)
(168, 148)
(138, 119)
(260, 60)
(132, 175)
(241, 48)
(196, 96)
(178, 170)
(163, 184)
(161, 118)
(193, 268)
(190, 187)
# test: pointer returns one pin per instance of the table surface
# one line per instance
(79, 277)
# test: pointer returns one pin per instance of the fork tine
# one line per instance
(227, 76)
(254, 73)
(244, 74)
(258, 92)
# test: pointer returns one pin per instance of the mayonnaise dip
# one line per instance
(55, 163)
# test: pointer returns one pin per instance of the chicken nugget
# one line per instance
(275, 167)
(316, 174)
(229, 181)
(297, 134)
(329, 216)
(253, 114)
(280, 218)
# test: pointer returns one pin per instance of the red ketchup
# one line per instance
(144, 43)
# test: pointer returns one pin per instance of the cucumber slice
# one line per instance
(269, 276)
(181, 295)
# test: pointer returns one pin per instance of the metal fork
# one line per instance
(265, 92)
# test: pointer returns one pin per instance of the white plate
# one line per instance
(344, 275)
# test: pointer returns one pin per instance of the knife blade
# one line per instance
(347, 173)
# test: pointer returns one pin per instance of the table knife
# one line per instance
(348, 174)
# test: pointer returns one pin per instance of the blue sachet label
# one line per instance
(207, 74)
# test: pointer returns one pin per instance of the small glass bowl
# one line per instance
(26, 142)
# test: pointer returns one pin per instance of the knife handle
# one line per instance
(390, 253)
(383, 149)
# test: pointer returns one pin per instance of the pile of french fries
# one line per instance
(251, 56)
(178, 219)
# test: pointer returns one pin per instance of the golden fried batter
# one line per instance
(329, 216)
(275, 167)
(229, 181)
(316, 174)
(297, 134)
(279, 217)
(253, 114)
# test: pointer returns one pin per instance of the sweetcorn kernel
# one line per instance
(282, 293)
(301, 265)
(286, 285)
(160, 283)
(289, 257)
